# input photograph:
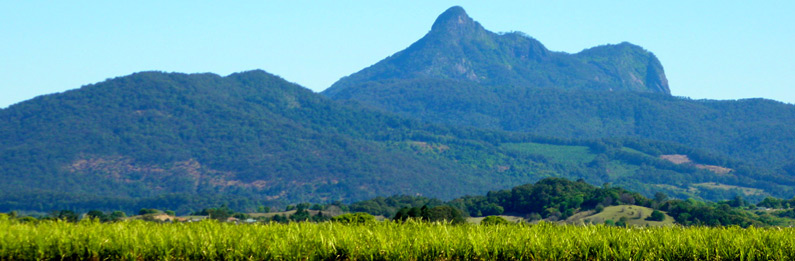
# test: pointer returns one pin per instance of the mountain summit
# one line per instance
(458, 48)
(455, 20)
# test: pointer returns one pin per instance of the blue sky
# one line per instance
(710, 49)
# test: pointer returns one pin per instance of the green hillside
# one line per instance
(179, 139)
(182, 142)
(462, 74)
(633, 216)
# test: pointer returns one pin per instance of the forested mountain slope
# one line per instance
(461, 74)
(250, 134)
(182, 142)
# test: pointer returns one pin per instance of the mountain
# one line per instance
(250, 135)
(406, 125)
(460, 49)
(462, 74)
(188, 141)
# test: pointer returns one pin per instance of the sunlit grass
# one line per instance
(386, 240)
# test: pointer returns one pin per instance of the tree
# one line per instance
(221, 214)
(300, 215)
(424, 214)
(280, 219)
(145, 211)
(414, 212)
(319, 217)
(771, 202)
(494, 220)
(660, 197)
(438, 213)
(445, 214)
(656, 215)
(66, 215)
(402, 215)
(117, 215)
(738, 201)
(627, 198)
(622, 222)
(98, 215)
(354, 218)
(303, 205)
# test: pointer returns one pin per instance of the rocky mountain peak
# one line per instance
(455, 20)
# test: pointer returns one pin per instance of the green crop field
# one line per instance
(209, 240)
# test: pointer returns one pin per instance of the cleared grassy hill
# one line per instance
(634, 215)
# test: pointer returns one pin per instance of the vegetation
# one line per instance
(512, 82)
(558, 199)
(494, 220)
(656, 215)
(550, 199)
(434, 214)
(623, 215)
(729, 128)
(354, 218)
(210, 240)
(166, 141)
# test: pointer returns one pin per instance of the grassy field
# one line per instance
(208, 240)
(635, 216)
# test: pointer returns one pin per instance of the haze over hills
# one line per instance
(462, 74)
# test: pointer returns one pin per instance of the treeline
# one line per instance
(557, 199)
(550, 199)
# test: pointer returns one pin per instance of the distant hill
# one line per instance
(185, 139)
(189, 141)
(635, 216)
(461, 74)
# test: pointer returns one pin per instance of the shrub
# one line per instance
(494, 220)
(656, 215)
(354, 218)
